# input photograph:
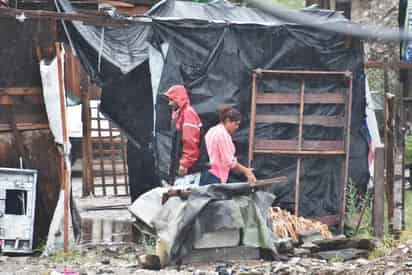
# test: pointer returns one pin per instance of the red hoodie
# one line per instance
(187, 121)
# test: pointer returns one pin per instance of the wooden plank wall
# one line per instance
(21, 101)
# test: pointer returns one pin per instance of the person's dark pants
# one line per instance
(208, 178)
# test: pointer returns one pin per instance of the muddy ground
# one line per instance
(122, 259)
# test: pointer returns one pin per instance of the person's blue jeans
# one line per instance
(208, 178)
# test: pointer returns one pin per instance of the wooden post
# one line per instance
(66, 180)
(389, 154)
(347, 131)
(345, 6)
(379, 193)
(86, 142)
(252, 122)
(398, 207)
(300, 141)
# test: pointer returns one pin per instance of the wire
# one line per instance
(342, 27)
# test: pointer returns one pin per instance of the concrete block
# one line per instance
(225, 254)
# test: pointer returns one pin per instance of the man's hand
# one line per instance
(182, 171)
(250, 175)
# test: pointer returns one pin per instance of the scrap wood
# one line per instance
(286, 225)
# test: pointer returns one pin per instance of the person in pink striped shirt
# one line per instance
(221, 150)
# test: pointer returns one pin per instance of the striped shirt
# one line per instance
(221, 152)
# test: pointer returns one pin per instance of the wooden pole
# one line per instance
(389, 155)
(252, 122)
(345, 6)
(379, 193)
(86, 142)
(66, 180)
(300, 141)
(347, 131)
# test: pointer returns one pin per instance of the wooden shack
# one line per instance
(24, 129)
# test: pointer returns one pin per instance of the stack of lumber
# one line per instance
(286, 225)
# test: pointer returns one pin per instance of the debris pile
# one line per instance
(286, 225)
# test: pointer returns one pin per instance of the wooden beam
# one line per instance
(20, 100)
(392, 65)
(98, 20)
(379, 193)
(281, 144)
(24, 127)
(21, 91)
(325, 121)
(318, 153)
(302, 73)
(294, 98)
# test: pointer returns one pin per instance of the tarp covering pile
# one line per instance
(213, 49)
(173, 223)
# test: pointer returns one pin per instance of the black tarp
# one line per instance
(213, 49)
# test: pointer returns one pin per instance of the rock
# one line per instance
(199, 272)
(150, 262)
(362, 261)
(280, 267)
(223, 270)
(392, 271)
(294, 261)
(284, 246)
(337, 244)
(104, 271)
(299, 269)
(342, 254)
(408, 264)
(105, 261)
(310, 246)
(250, 272)
(301, 252)
(311, 236)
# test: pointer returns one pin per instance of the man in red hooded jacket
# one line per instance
(188, 124)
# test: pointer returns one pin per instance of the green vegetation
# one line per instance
(353, 211)
(408, 149)
(336, 259)
(72, 256)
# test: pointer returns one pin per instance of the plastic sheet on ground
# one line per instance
(173, 222)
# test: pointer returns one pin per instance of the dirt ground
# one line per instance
(122, 259)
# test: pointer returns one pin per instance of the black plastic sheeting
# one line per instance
(231, 53)
(129, 103)
(215, 60)
(109, 52)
